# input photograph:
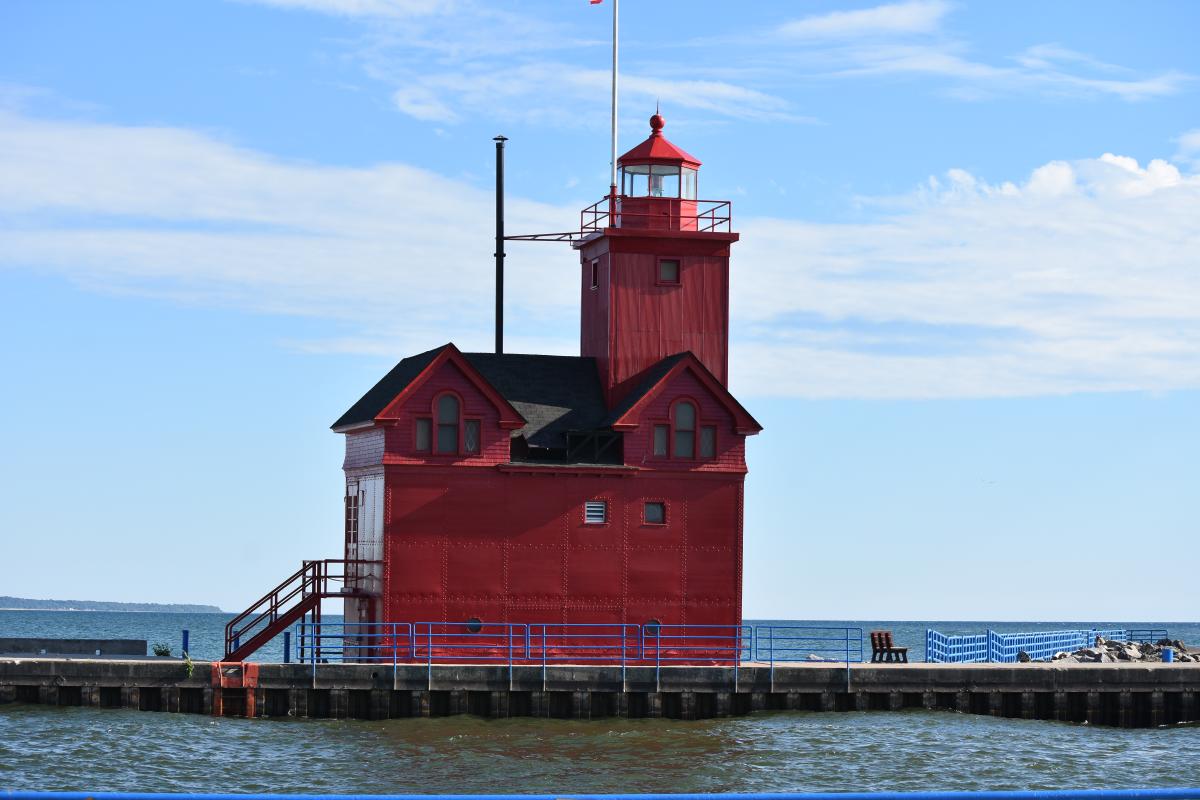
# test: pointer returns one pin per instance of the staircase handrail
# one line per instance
(235, 628)
(313, 577)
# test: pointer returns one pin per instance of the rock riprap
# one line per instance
(1108, 651)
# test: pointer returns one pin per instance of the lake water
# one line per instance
(82, 749)
(85, 749)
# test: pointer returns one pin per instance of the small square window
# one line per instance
(655, 513)
(424, 435)
(708, 441)
(668, 270)
(471, 436)
(662, 433)
(595, 512)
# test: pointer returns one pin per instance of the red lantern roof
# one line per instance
(657, 150)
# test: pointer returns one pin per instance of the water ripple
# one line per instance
(81, 749)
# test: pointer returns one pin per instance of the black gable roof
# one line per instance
(384, 392)
(554, 394)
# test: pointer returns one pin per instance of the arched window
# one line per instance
(447, 423)
(685, 430)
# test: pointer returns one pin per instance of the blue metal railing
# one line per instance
(1005, 648)
(1042, 794)
(361, 642)
(963, 649)
(791, 643)
(547, 644)
(1148, 634)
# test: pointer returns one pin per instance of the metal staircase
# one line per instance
(298, 595)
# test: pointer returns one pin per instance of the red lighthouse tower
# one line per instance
(599, 489)
(656, 278)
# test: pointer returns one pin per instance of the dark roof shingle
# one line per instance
(554, 394)
(649, 380)
(378, 396)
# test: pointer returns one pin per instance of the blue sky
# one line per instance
(966, 304)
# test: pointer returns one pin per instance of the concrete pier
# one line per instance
(1126, 695)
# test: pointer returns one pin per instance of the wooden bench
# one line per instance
(883, 649)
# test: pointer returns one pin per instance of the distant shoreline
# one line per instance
(28, 604)
(120, 610)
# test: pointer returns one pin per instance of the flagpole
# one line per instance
(613, 158)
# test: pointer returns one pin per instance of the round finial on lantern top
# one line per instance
(657, 123)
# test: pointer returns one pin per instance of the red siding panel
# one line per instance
(630, 321)
(521, 553)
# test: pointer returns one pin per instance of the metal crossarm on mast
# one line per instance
(572, 236)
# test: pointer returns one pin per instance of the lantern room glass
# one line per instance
(688, 188)
(646, 180)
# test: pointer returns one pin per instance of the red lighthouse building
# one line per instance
(604, 488)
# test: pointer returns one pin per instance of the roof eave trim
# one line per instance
(510, 418)
(353, 426)
(631, 418)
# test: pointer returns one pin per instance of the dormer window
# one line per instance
(685, 430)
(447, 433)
(447, 424)
(684, 437)
(423, 435)
(662, 440)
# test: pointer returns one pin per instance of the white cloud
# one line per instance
(445, 60)
(448, 60)
(910, 39)
(520, 93)
(1190, 142)
(422, 103)
(975, 79)
(1081, 277)
(364, 8)
(920, 16)
(1046, 56)
(1051, 180)
(172, 212)
(1189, 147)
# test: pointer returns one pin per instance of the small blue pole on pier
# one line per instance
(287, 647)
(186, 636)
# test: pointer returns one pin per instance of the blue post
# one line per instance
(287, 647)
(185, 641)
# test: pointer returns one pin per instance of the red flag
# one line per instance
(595, 2)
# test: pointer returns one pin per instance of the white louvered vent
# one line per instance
(595, 512)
